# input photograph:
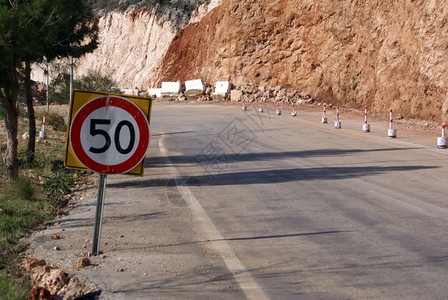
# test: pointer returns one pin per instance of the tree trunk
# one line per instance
(10, 160)
(9, 99)
(31, 118)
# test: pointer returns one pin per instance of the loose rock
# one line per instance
(31, 263)
(55, 236)
(83, 262)
(54, 280)
(39, 293)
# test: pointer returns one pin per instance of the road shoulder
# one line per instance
(149, 246)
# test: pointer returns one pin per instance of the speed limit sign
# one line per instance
(109, 134)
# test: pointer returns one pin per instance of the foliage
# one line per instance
(59, 90)
(94, 81)
(17, 218)
(24, 206)
(20, 189)
(20, 211)
(30, 30)
(59, 184)
(53, 119)
(12, 290)
(178, 11)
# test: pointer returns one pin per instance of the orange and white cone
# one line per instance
(337, 123)
(42, 133)
(324, 115)
(365, 127)
(441, 140)
(278, 110)
(391, 133)
(293, 113)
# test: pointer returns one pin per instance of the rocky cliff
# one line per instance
(384, 54)
(131, 46)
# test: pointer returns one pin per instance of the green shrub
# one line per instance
(59, 91)
(20, 189)
(12, 290)
(59, 184)
(53, 119)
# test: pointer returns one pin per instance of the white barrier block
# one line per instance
(194, 87)
(222, 88)
(155, 92)
(170, 88)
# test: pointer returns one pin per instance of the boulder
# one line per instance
(39, 293)
(54, 280)
(31, 263)
(235, 95)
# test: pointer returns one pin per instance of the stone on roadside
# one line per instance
(83, 262)
(39, 293)
(55, 236)
(38, 272)
(31, 263)
(54, 280)
(73, 290)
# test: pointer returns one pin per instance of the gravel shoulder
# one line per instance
(149, 246)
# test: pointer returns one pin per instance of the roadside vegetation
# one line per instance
(41, 190)
(178, 11)
(92, 81)
(36, 196)
(34, 184)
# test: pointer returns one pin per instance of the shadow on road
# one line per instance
(159, 161)
(277, 176)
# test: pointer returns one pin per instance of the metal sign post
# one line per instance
(99, 214)
(107, 134)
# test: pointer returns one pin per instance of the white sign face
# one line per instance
(109, 135)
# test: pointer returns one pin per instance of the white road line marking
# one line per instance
(217, 242)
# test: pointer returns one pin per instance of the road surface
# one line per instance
(238, 205)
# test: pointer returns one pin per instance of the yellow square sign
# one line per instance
(107, 133)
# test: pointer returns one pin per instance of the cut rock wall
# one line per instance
(352, 53)
(383, 54)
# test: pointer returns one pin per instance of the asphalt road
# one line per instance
(312, 211)
(238, 205)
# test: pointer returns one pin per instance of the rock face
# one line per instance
(131, 45)
(353, 53)
(383, 54)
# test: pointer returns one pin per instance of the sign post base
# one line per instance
(99, 214)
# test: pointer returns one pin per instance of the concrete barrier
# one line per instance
(194, 87)
(155, 92)
(171, 89)
(222, 88)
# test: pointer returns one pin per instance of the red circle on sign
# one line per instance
(90, 107)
